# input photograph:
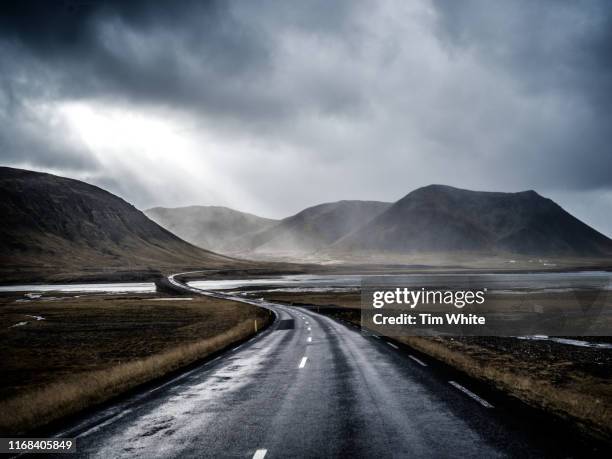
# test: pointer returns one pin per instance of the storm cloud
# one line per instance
(271, 106)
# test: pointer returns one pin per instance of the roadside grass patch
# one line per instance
(90, 349)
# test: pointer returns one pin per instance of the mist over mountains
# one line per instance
(313, 228)
(432, 219)
(214, 228)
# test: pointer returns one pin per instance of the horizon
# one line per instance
(331, 202)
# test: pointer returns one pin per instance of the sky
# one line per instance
(272, 106)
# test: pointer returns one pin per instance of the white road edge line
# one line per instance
(303, 362)
(392, 345)
(417, 360)
(260, 454)
(469, 393)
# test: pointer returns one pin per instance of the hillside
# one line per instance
(58, 228)
(210, 227)
(440, 218)
(313, 228)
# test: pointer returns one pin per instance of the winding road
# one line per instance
(310, 386)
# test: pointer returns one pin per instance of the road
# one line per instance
(310, 386)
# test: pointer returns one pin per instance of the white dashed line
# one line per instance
(310, 339)
(260, 454)
(303, 362)
(309, 328)
(469, 393)
(417, 360)
(392, 345)
(376, 336)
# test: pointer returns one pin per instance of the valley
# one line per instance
(93, 357)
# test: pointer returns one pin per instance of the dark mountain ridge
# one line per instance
(439, 218)
(64, 224)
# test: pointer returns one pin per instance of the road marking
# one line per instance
(309, 328)
(310, 339)
(392, 345)
(376, 336)
(417, 360)
(303, 362)
(260, 454)
(108, 421)
(469, 393)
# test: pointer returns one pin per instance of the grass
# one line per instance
(571, 382)
(90, 349)
(557, 381)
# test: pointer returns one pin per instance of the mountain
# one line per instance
(439, 218)
(313, 228)
(210, 227)
(53, 224)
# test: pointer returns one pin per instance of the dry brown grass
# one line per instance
(52, 376)
(579, 396)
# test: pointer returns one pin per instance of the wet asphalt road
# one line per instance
(309, 386)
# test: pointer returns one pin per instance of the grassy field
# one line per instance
(63, 354)
(569, 381)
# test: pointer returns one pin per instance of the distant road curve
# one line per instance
(311, 386)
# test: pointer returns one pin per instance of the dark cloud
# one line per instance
(386, 95)
(167, 52)
(212, 57)
(558, 52)
(549, 45)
